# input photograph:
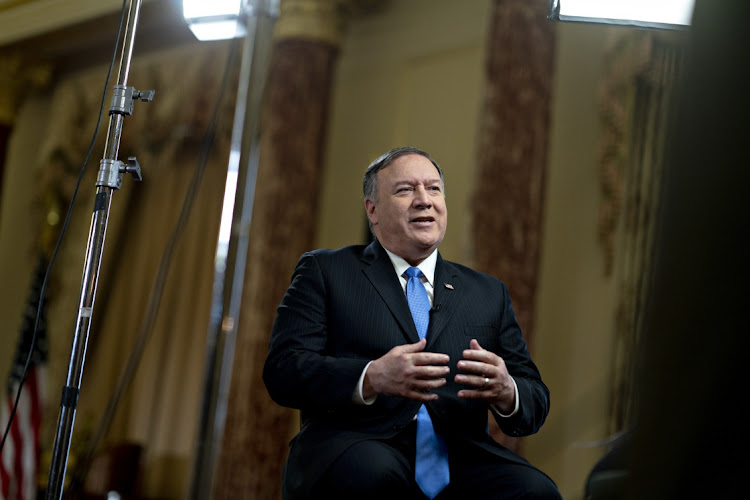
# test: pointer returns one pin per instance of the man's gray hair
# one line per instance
(370, 182)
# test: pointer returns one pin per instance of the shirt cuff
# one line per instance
(495, 408)
(359, 398)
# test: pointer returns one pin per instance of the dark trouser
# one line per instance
(384, 470)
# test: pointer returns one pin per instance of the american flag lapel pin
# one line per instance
(448, 286)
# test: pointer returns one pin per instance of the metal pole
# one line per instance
(233, 243)
(109, 178)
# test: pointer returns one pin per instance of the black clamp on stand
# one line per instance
(109, 178)
(111, 171)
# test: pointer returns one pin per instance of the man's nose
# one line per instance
(421, 198)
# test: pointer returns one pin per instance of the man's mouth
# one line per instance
(423, 219)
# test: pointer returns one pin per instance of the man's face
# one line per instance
(409, 217)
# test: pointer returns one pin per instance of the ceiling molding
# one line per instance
(9, 4)
(90, 42)
(22, 19)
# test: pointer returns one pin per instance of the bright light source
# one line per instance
(666, 14)
(214, 19)
(217, 30)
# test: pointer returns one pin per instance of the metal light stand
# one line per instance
(110, 175)
(231, 252)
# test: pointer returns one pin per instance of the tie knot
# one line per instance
(414, 272)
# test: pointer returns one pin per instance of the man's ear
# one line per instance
(370, 208)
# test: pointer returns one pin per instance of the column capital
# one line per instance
(18, 77)
(320, 20)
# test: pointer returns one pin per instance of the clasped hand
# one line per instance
(409, 372)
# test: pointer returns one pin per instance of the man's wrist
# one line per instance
(516, 405)
(364, 393)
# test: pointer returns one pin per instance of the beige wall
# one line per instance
(409, 76)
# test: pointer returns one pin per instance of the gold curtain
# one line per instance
(159, 411)
(637, 97)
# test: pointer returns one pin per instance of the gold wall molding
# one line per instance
(320, 20)
(9, 4)
(18, 78)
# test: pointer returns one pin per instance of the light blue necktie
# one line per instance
(431, 464)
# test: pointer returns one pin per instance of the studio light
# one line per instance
(254, 20)
(661, 14)
(214, 19)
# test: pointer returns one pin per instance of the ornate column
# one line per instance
(512, 156)
(17, 78)
(293, 137)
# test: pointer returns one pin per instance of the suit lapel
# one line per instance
(379, 271)
(447, 288)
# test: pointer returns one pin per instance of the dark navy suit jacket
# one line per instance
(347, 307)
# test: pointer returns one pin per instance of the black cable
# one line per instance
(63, 230)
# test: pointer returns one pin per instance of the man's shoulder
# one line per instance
(335, 257)
(465, 272)
(338, 253)
(335, 262)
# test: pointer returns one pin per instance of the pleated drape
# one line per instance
(638, 99)
(159, 409)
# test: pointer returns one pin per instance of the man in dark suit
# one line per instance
(347, 349)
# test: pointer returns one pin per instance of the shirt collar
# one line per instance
(427, 266)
